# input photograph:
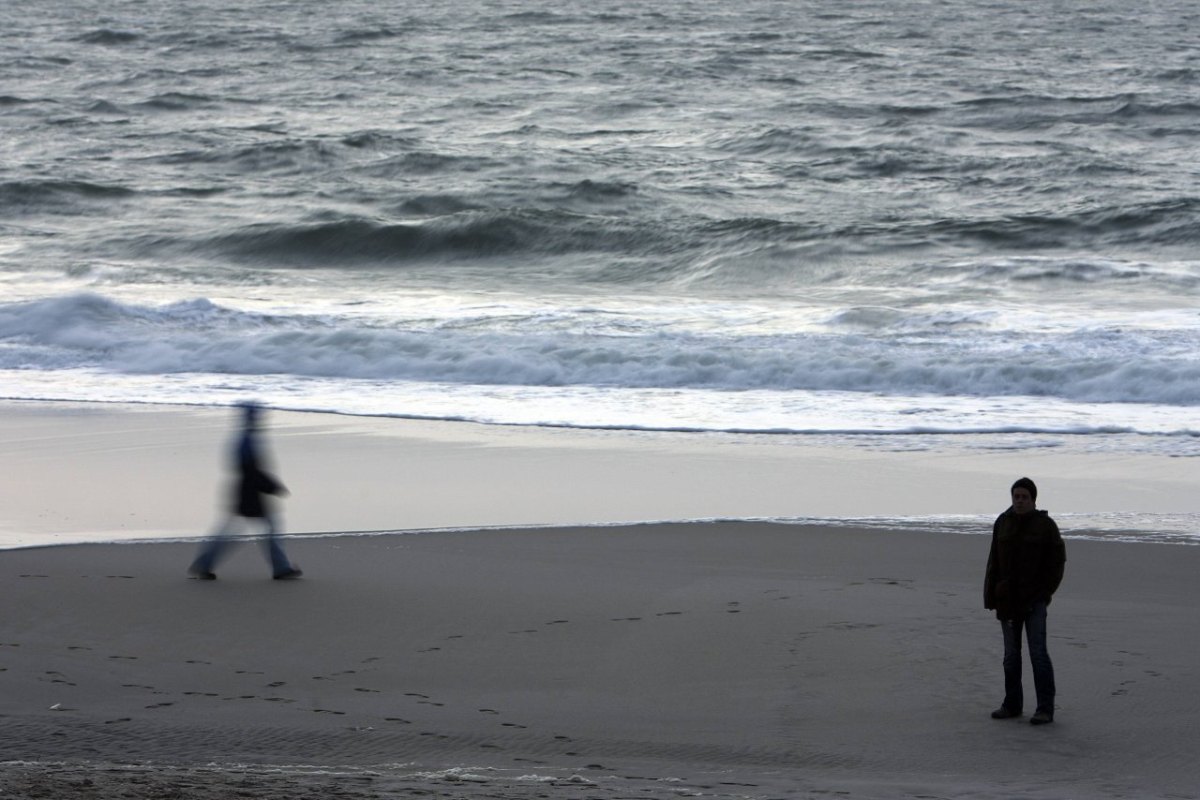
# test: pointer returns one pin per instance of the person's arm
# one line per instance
(262, 481)
(989, 583)
(1055, 561)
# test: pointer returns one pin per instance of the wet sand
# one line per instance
(94, 472)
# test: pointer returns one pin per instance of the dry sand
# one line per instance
(720, 660)
(704, 659)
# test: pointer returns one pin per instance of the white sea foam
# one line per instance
(583, 355)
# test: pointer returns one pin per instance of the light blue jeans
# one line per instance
(1034, 625)
(215, 547)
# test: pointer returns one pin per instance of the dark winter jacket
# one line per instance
(253, 483)
(1025, 564)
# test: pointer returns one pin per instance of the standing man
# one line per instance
(252, 491)
(1024, 568)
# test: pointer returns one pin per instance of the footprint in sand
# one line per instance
(558, 622)
(488, 711)
(160, 705)
(125, 658)
(276, 684)
(893, 581)
(375, 691)
(399, 720)
(668, 614)
(627, 619)
(850, 626)
(327, 711)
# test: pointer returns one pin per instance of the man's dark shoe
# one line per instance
(288, 574)
(1005, 713)
(1042, 718)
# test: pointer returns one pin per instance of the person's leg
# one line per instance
(1039, 657)
(1014, 697)
(212, 550)
(280, 566)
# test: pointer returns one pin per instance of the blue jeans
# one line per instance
(215, 547)
(1034, 625)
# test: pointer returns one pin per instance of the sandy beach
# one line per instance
(738, 659)
(636, 387)
(86, 472)
(714, 659)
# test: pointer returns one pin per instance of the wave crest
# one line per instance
(199, 336)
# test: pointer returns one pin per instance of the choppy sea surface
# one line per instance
(913, 218)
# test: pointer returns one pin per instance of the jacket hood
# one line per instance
(1036, 512)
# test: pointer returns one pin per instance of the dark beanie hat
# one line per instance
(251, 412)
(1025, 483)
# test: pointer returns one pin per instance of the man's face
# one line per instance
(1022, 500)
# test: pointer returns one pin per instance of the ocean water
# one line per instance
(916, 219)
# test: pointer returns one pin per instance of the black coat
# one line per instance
(254, 484)
(1025, 564)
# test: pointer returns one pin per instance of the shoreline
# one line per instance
(725, 659)
(102, 472)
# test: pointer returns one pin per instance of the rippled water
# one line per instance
(895, 218)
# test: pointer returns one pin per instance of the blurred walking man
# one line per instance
(252, 495)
